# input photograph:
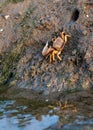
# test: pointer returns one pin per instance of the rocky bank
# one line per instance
(23, 35)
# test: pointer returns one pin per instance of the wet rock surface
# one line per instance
(26, 31)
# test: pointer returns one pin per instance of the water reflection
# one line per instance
(13, 117)
(18, 124)
(23, 117)
(80, 123)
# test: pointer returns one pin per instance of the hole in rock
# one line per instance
(75, 15)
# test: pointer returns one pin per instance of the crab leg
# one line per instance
(63, 35)
(66, 38)
(50, 58)
(53, 55)
(59, 56)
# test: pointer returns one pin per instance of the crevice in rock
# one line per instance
(10, 78)
(75, 15)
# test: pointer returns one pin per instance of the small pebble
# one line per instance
(1, 30)
(84, 7)
(70, 1)
(16, 17)
(46, 100)
(6, 16)
(20, 13)
(74, 52)
(85, 33)
(87, 15)
(55, 1)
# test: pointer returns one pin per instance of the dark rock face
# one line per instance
(47, 20)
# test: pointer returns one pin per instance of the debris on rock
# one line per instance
(6, 16)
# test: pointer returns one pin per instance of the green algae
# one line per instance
(9, 63)
(14, 1)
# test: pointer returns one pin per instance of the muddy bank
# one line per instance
(29, 26)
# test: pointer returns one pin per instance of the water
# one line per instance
(25, 116)
(80, 124)
(16, 117)
(28, 123)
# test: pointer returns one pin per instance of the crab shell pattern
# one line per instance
(58, 43)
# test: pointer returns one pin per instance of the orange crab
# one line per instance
(56, 48)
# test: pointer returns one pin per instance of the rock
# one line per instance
(1, 30)
(86, 83)
(91, 66)
(74, 78)
(6, 16)
(35, 27)
(20, 13)
(74, 52)
(85, 32)
(16, 17)
(87, 15)
(70, 1)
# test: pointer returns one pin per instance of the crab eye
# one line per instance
(75, 15)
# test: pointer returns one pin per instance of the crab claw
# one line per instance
(45, 49)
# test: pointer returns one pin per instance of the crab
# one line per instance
(56, 48)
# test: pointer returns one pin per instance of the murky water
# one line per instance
(18, 116)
